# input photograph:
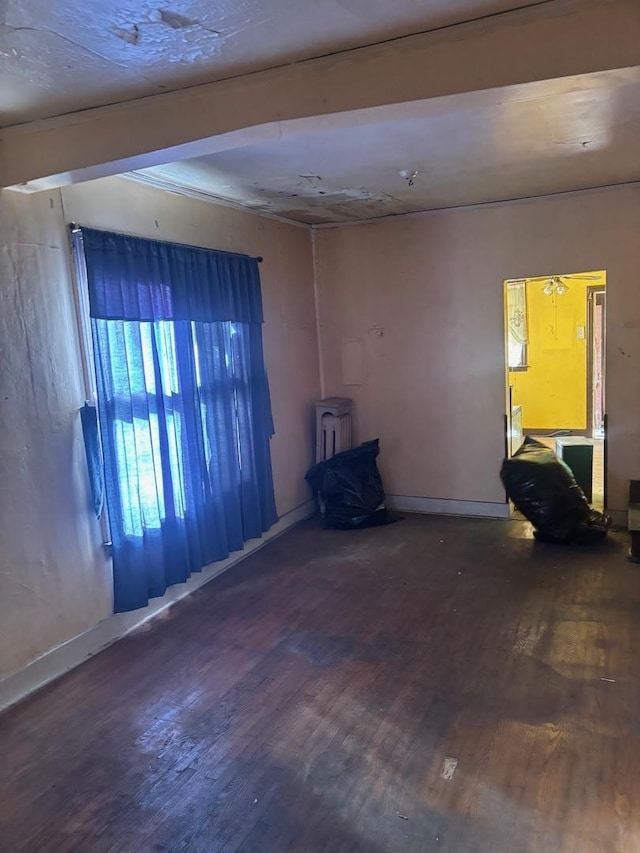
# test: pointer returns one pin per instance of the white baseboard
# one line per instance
(480, 509)
(445, 506)
(78, 649)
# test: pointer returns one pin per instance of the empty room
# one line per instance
(285, 290)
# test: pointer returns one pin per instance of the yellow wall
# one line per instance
(553, 391)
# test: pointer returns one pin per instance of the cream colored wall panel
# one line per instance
(433, 388)
(54, 579)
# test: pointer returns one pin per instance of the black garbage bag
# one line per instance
(349, 488)
(544, 490)
(594, 527)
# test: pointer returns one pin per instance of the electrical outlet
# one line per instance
(580, 331)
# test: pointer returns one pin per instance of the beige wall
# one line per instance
(54, 581)
(421, 297)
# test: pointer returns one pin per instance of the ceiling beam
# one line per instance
(566, 38)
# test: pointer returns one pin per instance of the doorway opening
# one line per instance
(555, 329)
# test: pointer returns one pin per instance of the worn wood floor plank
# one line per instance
(439, 684)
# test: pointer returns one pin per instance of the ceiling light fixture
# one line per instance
(409, 175)
(555, 285)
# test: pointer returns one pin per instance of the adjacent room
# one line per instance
(555, 328)
(236, 241)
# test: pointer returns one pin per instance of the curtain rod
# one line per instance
(75, 228)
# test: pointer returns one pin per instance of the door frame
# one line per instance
(592, 291)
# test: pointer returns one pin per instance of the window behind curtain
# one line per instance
(183, 400)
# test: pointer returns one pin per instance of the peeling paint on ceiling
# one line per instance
(177, 21)
(58, 57)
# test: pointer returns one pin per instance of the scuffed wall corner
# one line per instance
(316, 296)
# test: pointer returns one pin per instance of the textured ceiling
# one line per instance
(58, 56)
(516, 142)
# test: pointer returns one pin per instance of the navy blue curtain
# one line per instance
(184, 407)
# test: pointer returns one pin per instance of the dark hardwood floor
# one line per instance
(317, 697)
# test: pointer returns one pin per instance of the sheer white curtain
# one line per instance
(517, 323)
